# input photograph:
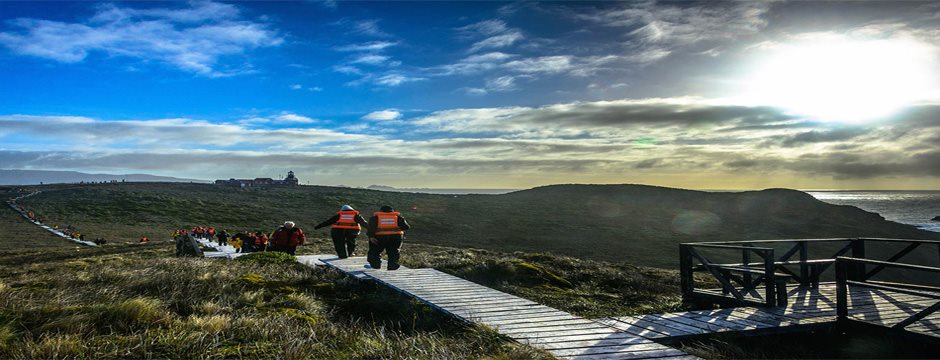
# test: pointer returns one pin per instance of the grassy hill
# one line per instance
(59, 300)
(638, 224)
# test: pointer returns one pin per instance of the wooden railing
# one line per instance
(738, 279)
(852, 272)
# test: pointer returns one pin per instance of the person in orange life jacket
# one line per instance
(248, 241)
(286, 238)
(386, 230)
(261, 241)
(344, 228)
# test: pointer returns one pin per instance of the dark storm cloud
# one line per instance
(311, 162)
(816, 136)
(602, 114)
(546, 146)
(852, 166)
(647, 164)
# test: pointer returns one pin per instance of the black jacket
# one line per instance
(374, 223)
(359, 219)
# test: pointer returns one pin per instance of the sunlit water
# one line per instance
(908, 207)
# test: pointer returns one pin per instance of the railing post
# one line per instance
(804, 267)
(842, 291)
(770, 279)
(746, 260)
(685, 271)
(858, 252)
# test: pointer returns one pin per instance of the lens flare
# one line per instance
(838, 79)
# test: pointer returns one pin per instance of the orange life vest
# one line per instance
(347, 220)
(388, 224)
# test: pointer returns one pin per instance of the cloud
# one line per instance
(383, 115)
(370, 59)
(195, 39)
(473, 64)
(483, 28)
(494, 33)
(76, 132)
(502, 83)
(658, 140)
(369, 46)
(368, 27)
(395, 79)
(296, 87)
(498, 41)
(655, 30)
(294, 118)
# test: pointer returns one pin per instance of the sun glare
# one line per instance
(844, 80)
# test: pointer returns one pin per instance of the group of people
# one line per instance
(385, 230)
(244, 241)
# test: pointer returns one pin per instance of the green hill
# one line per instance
(135, 300)
(638, 224)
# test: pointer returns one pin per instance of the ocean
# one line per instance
(907, 207)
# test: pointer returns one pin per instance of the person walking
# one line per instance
(222, 237)
(286, 238)
(344, 228)
(386, 230)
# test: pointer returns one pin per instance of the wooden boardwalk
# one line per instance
(560, 333)
(807, 309)
(12, 203)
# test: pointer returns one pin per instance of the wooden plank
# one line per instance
(636, 330)
(575, 344)
(551, 317)
(479, 302)
(538, 342)
(489, 307)
(716, 326)
(518, 315)
(666, 328)
(547, 322)
(725, 315)
(617, 349)
(471, 310)
(648, 354)
(465, 290)
(592, 328)
(597, 333)
(463, 297)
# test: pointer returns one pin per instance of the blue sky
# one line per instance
(477, 94)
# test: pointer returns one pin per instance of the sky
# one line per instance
(702, 95)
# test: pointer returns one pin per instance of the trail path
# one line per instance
(12, 203)
(562, 334)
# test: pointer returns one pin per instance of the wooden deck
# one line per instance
(807, 309)
(560, 333)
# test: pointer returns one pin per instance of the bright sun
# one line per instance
(843, 80)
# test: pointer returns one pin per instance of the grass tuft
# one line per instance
(545, 274)
(252, 279)
(136, 313)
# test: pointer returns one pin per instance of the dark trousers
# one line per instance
(283, 248)
(344, 240)
(223, 242)
(388, 243)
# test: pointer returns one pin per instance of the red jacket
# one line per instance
(284, 237)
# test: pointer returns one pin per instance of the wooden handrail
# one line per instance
(732, 247)
(889, 264)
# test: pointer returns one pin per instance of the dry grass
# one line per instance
(146, 304)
